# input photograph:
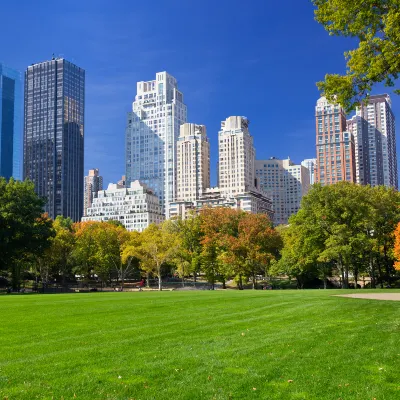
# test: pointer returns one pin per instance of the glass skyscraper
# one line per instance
(10, 123)
(54, 135)
(152, 131)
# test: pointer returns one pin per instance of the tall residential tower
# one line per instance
(380, 140)
(335, 145)
(93, 183)
(236, 157)
(10, 123)
(193, 162)
(152, 131)
(54, 134)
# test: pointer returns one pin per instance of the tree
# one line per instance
(24, 229)
(396, 249)
(99, 247)
(59, 254)
(188, 259)
(129, 256)
(258, 243)
(159, 245)
(219, 226)
(376, 25)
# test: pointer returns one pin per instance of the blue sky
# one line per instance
(258, 58)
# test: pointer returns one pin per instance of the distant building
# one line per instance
(374, 131)
(236, 157)
(335, 145)
(285, 183)
(238, 187)
(93, 183)
(136, 207)
(10, 123)
(193, 162)
(122, 182)
(253, 202)
(152, 131)
(310, 164)
(54, 135)
(357, 126)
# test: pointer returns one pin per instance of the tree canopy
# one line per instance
(376, 26)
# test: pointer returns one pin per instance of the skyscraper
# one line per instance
(93, 183)
(54, 134)
(193, 162)
(285, 183)
(152, 131)
(10, 123)
(377, 124)
(236, 157)
(310, 163)
(335, 145)
(359, 129)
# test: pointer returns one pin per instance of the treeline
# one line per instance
(343, 232)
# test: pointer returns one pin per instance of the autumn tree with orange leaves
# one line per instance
(396, 249)
(237, 244)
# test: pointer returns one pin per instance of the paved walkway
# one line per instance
(374, 296)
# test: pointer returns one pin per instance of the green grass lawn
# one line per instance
(199, 345)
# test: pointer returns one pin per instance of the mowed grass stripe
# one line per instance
(198, 345)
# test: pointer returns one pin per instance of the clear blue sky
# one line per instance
(255, 58)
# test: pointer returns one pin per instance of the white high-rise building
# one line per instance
(152, 131)
(310, 164)
(379, 147)
(93, 183)
(236, 157)
(136, 206)
(193, 162)
(285, 183)
(358, 127)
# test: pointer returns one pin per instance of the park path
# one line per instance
(373, 296)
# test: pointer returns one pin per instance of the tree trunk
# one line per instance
(388, 266)
(380, 275)
(355, 278)
(223, 283)
(240, 283)
(325, 282)
(254, 281)
(147, 280)
(159, 279)
(344, 282)
(371, 265)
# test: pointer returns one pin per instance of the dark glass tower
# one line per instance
(54, 134)
(10, 123)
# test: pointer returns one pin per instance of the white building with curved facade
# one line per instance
(136, 207)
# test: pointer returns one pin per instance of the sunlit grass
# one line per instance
(199, 345)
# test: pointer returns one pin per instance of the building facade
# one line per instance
(193, 162)
(54, 135)
(93, 183)
(310, 164)
(285, 183)
(10, 123)
(236, 175)
(236, 157)
(357, 126)
(136, 206)
(152, 131)
(334, 144)
(379, 141)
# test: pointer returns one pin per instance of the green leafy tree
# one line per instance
(24, 230)
(159, 245)
(59, 255)
(376, 25)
